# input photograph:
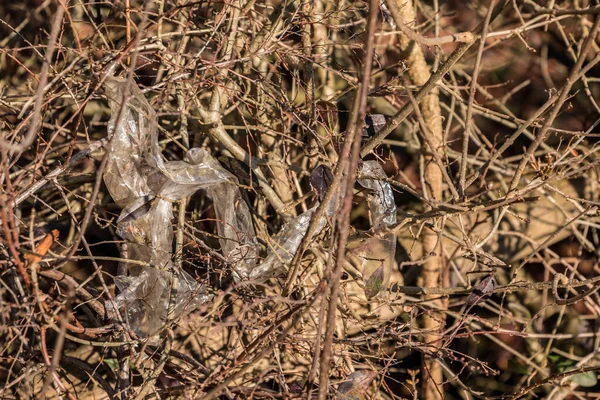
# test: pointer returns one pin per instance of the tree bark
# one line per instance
(419, 73)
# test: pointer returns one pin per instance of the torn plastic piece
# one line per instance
(235, 228)
(144, 299)
(291, 234)
(144, 185)
(381, 205)
(288, 241)
(376, 254)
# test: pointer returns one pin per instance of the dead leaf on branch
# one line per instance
(355, 386)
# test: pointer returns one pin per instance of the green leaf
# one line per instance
(518, 367)
(561, 364)
(554, 358)
(112, 363)
(586, 379)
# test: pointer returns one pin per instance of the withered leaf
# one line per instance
(373, 123)
(42, 248)
(320, 179)
(373, 284)
(482, 290)
(355, 386)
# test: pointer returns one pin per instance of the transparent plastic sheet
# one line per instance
(288, 241)
(291, 234)
(376, 254)
(144, 186)
(237, 237)
(144, 299)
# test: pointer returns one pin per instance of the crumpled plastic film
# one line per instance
(376, 254)
(144, 185)
(235, 227)
(288, 241)
(236, 231)
(381, 204)
(144, 299)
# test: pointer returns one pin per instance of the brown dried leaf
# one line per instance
(482, 290)
(320, 179)
(374, 284)
(240, 170)
(355, 386)
(42, 248)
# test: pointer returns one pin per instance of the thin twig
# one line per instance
(348, 166)
(460, 37)
(39, 97)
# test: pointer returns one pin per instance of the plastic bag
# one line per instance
(288, 241)
(291, 234)
(144, 185)
(145, 298)
(375, 255)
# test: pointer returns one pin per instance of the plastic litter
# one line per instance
(288, 240)
(376, 254)
(144, 299)
(144, 185)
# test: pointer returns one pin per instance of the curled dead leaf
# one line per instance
(355, 386)
(42, 248)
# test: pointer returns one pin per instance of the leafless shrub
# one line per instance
(489, 141)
